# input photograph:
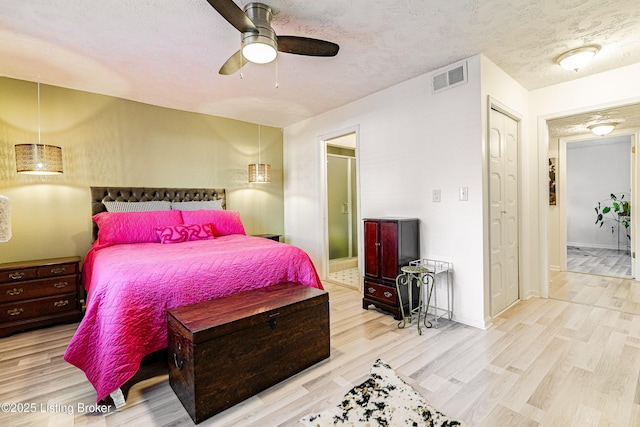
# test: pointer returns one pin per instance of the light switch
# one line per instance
(436, 195)
(464, 194)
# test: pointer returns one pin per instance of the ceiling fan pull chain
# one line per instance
(277, 85)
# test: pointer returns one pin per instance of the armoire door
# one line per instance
(371, 249)
(503, 194)
(388, 250)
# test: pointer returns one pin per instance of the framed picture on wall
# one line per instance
(552, 181)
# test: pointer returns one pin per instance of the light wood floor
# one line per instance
(606, 262)
(572, 360)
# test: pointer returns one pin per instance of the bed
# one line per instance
(157, 249)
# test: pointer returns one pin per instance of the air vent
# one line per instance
(452, 77)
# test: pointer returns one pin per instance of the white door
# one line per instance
(503, 194)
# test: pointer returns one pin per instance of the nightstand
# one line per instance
(275, 237)
(39, 293)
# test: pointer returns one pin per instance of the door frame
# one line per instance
(324, 204)
(562, 197)
(543, 194)
(494, 104)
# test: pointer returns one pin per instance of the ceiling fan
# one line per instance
(259, 42)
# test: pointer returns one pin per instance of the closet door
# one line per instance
(503, 194)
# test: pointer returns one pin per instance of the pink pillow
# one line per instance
(133, 227)
(224, 222)
(183, 233)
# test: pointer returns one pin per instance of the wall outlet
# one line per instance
(436, 195)
(464, 194)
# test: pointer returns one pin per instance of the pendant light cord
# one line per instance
(259, 137)
(38, 110)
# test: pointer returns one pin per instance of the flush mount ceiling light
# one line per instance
(602, 129)
(577, 58)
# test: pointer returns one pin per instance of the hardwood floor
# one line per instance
(572, 360)
(606, 262)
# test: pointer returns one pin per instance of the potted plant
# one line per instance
(616, 209)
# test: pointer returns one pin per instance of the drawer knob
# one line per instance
(17, 275)
(15, 291)
(61, 303)
(60, 285)
(58, 270)
(388, 294)
(371, 290)
(15, 311)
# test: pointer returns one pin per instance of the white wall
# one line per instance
(595, 169)
(410, 142)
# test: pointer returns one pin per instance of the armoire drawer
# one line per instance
(380, 292)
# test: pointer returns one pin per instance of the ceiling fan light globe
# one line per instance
(259, 53)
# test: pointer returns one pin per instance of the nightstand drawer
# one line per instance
(380, 292)
(37, 288)
(18, 275)
(37, 307)
(57, 270)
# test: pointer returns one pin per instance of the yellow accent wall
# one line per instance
(109, 141)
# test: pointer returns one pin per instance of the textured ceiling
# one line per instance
(168, 53)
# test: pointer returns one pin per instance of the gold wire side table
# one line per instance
(423, 278)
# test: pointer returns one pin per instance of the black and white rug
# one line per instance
(385, 400)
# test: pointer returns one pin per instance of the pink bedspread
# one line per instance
(130, 287)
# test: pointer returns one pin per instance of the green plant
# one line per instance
(616, 209)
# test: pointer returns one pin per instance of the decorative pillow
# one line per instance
(199, 231)
(158, 205)
(224, 222)
(194, 206)
(183, 233)
(172, 234)
(133, 227)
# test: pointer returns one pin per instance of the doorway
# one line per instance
(342, 214)
(598, 182)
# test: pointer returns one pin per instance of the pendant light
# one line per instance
(5, 219)
(38, 159)
(259, 172)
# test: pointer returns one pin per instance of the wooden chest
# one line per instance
(225, 350)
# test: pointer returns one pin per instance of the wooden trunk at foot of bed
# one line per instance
(226, 350)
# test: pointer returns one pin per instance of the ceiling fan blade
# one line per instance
(232, 13)
(233, 64)
(306, 46)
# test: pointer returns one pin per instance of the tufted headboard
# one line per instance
(142, 194)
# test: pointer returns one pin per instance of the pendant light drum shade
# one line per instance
(5, 219)
(259, 172)
(38, 159)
